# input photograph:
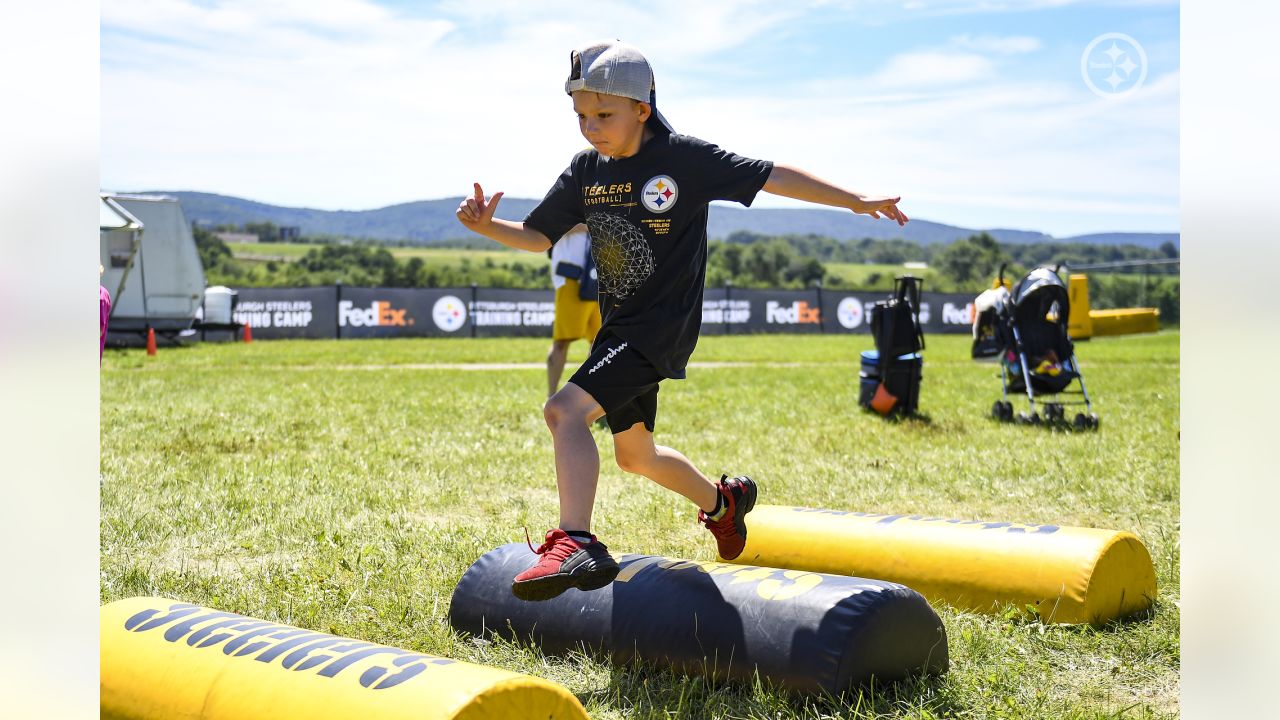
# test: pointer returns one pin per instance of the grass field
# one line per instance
(345, 486)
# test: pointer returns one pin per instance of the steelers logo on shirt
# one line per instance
(659, 194)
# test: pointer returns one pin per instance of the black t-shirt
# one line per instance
(647, 215)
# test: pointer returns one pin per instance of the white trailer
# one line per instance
(150, 265)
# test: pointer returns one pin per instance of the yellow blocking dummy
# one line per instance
(1079, 324)
(1125, 321)
(166, 659)
(1070, 575)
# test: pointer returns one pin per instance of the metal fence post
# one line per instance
(337, 310)
(822, 316)
(728, 306)
(471, 310)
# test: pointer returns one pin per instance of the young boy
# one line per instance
(643, 192)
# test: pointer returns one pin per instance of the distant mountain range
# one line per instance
(431, 221)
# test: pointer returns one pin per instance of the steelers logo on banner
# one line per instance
(449, 313)
(659, 194)
(849, 312)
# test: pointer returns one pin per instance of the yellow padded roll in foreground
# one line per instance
(166, 659)
(1070, 575)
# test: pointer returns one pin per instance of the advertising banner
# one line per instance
(403, 312)
(789, 311)
(737, 310)
(730, 310)
(947, 313)
(362, 312)
(288, 312)
(722, 313)
(849, 312)
(507, 313)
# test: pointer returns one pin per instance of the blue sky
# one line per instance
(977, 113)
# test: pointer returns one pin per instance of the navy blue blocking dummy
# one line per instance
(802, 631)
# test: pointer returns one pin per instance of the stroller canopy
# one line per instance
(1039, 306)
(1041, 281)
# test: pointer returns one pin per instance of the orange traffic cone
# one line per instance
(248, 333)
(151, 341)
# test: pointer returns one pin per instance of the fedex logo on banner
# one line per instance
(380, 313)
(797, 313)
(952, 315)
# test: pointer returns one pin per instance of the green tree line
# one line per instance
(743, 259)
(972, 263)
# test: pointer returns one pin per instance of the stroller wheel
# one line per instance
(1035, 418)
(997, 410)
(1093, 421)
(1008, 411)
(1080, 422)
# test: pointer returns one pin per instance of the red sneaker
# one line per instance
(564, 563)
(731, 529)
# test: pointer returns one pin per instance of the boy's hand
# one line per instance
(875, 206)
(477, 216)
(789, 182)
(474, 213)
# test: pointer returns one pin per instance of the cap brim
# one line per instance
(657, 121)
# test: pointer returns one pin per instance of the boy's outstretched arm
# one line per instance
(790, 182)
(476, 215)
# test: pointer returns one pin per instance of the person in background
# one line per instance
(104, 312)
(577, 311)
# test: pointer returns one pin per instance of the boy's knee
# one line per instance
(551, 412)
(557, 411)
(633, 462)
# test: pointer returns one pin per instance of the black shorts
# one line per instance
(622, 381)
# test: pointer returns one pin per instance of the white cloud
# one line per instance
(351, 105)
(1011, 45)
(876, 12)
(994, 6)
(1039, 156)
(932, 68)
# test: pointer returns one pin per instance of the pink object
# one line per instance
(104, 312)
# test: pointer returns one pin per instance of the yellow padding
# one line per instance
(1125, 321)
(1079, 323)
(164, 659)
(1070, 575)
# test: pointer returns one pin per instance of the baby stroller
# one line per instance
(1026, 327)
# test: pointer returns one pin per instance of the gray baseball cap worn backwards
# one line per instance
(616, 68)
